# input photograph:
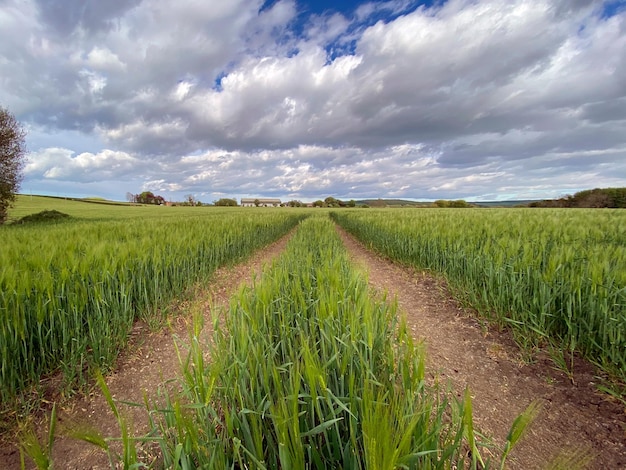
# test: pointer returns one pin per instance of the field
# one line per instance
(308, 367)
(556, 276)
(70, 291)
(309, 372)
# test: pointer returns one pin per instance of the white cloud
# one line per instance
(467, 98)
(103, 59)
(63, 165)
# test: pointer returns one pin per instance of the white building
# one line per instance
(259, 201)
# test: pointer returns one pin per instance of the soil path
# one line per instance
(148, 363)
(461, 350)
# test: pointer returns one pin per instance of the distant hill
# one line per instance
(92, 200)
(517, 203)
(591, 198)
(392, 203)
(407, 203)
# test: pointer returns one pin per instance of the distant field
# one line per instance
(95, 208)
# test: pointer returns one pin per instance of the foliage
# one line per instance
(12, 153)
(148, 197)
(554, 276)
(332, 202)
(592, 198)
(30, 445)
(460, 203)
(43, 216)
(70, 292)
(225, 202)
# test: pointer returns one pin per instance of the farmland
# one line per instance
(70, 291)
(556, 276)
(310, 372)
(306, 348)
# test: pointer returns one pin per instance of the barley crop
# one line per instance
(70, 292)
(310, 372)
(556, 276)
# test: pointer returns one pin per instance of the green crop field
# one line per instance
(557, 276)
(310, 372)
(71, 290)
(309, 369)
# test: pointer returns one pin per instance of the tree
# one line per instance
(225, 202)
(12, 152)
(331, 202)
(148, 197)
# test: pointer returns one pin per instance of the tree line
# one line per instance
(614, 198)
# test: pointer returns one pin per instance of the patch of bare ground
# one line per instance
(574, 416)
(149, 362)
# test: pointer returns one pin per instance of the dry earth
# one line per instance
(460, 350)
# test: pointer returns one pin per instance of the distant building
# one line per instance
(259, 201)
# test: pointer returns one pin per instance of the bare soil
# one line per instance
(461, 351)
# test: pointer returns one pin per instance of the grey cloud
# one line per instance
(64, 16)
(605, 111)
(415, 87)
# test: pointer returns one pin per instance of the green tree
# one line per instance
(225, 202)
(12, 153)
(148, 197)
(332, 202)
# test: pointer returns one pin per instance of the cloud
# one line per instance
(460, 99)
(63, 165)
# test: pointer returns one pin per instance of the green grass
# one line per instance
(555, 276)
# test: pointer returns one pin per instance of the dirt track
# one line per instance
(460, 351)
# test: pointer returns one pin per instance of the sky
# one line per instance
(458, 99)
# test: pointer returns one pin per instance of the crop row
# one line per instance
(555, 275)
(70, 292)
(309, 371)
